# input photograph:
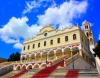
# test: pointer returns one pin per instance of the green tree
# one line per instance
(97, 49)
(14, 57)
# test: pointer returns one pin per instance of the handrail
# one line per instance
(6, 66)
(58, 60)
(69, 60)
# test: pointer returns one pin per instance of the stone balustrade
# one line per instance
(5, 69)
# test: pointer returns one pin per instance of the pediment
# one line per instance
(46, 29)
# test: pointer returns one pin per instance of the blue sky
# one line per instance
(21, 19)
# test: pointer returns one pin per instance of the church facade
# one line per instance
(50, 46)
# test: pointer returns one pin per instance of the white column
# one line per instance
(80, 52)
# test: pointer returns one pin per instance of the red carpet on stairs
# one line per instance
(19, 74)
(72, 74)
(44, 73)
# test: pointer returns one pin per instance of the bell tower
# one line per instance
(88, 32)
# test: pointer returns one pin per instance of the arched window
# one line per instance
(24, 48)
(87, 26)
(33, 45)
(87, 34)
(38, 44)
(74, 36)
(28, 47)
(58, 40)
(51, 42)
(91, 40)
(44, 43)
(66, 38)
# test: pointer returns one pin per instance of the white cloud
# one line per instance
(16, 28)
(99, 36)
(30, 5)
(18, 46)
(63, 14)
(35, 4)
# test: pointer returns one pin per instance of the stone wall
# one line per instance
(97, 64)
(79, 64)
(6, 69)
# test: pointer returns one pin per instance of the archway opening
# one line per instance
(67, 52)
(29, 67)
(32, 57)
(91, 40)
(51, 55)
(44, 56)
(38, 57)
(58, 53)
(36, 66)
(24, 68)
(27, 57)
(18, 68)
(75, 50)
(43, 65)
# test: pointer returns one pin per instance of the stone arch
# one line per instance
(32, 57)
(27, 57)
(75, 50)
(51, 55)
(23, 58)
(91, 40)
(29, 67)
(43, 65)
(38, 57)
(36, 66)
(24, 67)
(59, 53)
(67, 52)
(44, 56)
(18, 68)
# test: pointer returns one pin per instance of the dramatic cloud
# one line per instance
(18, 46)
(30, 5)
(61, 15)
(64, 14)
(16, 28)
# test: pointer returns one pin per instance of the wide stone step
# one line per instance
(8, 75)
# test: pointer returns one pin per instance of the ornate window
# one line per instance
(33, 45)
(24, 48)
(58, 40)
(28, 47)
(44, 43)
(51, 42)
(66, 38)
(38, 44)
(74, 36)
(45, 34)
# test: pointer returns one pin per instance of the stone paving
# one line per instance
(58, 73)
